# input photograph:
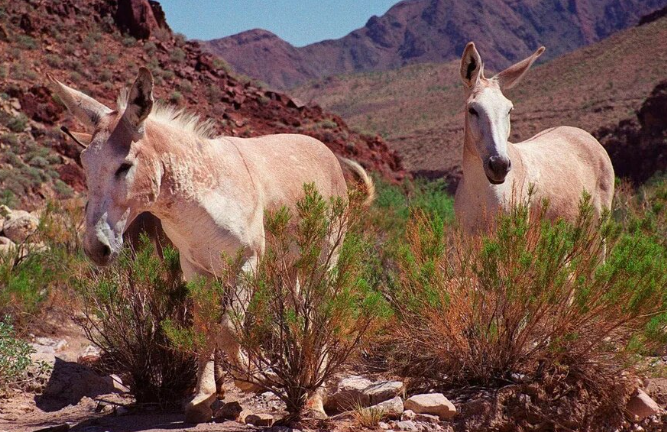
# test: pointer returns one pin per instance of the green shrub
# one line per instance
(176, 97)
(14, 356)
(306, 311)
(128, 41)
(26, 42)
(125, 306)
(177, 55)
(18, 123)
(533, 300)
(54, 61)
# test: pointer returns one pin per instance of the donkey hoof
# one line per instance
(199, 410)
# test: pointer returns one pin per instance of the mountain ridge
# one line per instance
(427, 31)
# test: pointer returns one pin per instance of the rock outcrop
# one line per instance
(638, 146)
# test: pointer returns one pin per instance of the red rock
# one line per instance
(136, 17)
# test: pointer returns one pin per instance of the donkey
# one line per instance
(210, 194)
(559, 163)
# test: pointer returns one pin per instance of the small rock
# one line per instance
(406, 425)
(427, 418)
(431, 403)
(89, 355)
(391, 408)
(408, 415)
(641, 406)
(229, 411)
(20, 225)
(383, 425)
(116, 383)
(261, 420)
(382, 391)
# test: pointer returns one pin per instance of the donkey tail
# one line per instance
(360, 173)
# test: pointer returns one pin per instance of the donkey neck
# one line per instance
(204, 191)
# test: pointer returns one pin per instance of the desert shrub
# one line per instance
(14, 356)
(176, 97)
(177, 55)
(306, 311)
(531, 303)
(63, 189)
(395, 204)
(185, 86)
(125, 305)
(150, 47)
(128, 41)
(54, 61)
(40, 270)
(26, 42)
(17, 123)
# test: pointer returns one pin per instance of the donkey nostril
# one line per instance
(106, 251)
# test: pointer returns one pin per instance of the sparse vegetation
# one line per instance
(14, 356)
(533, 301)
(125, 306)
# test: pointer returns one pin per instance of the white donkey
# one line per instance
(561, 163)
(211, 194)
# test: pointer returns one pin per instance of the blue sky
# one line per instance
(299, 22)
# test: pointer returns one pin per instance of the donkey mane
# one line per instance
(164, 113)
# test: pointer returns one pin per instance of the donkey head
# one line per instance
(123, 180)
(488, 110)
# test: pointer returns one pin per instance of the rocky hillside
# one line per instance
(638, 145)
(419, 108)
(97, 46)
(422, 31)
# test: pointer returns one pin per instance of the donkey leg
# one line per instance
(245, 378)
(198, 410)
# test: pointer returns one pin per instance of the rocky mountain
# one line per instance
(421, 31)
(97, 46)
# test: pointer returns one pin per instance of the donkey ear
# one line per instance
(86, 109)
(140, 100)
(513, 74)
(471, 66)
(81, 138)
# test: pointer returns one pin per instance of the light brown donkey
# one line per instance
(560, 163)
(211, 194)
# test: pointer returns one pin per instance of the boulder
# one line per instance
(408, 415)
(19, 225)
(349, 393)
(392, 408)
(6, 245)
(229, 411)
(382, 391)
(431, 403)
(406, 425)
(136, 17)
(641, 406)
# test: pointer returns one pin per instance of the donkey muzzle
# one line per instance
(497, 169)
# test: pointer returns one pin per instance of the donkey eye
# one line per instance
(472, 111)
(125, 167)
